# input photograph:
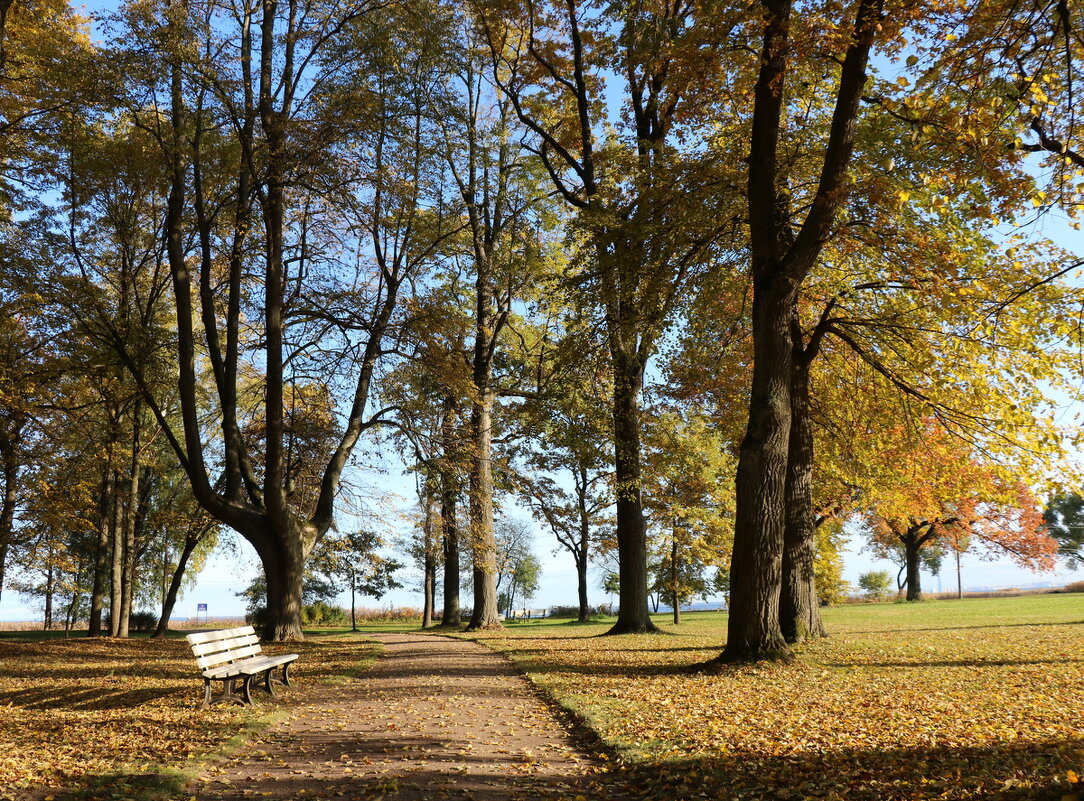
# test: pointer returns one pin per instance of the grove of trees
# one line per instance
(694, 283)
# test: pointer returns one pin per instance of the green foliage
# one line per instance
(1064, 519)
(876, 584)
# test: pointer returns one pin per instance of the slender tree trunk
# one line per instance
(581, 588)
(101, 554)
(632, 616)
(170, 598)
(959, 578)
(131, 522)
(912, 548)
(485, 614)
(49, 588)
(353, 601)
(448, 518)
(756, 567)
(429, 566)
(799, 608)
(116, 566)
(674, 579)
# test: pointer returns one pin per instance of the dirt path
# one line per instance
(434, 718)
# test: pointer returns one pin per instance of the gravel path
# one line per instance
(434, 718)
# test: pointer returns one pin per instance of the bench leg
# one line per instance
(269, 678)
(229, 694)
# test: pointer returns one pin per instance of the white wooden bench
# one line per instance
(527, 614)
(233, 656)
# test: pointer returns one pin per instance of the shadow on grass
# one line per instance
(1035, 771)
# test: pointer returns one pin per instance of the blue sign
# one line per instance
(201, 607)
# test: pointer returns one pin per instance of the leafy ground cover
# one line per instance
(946, 699)
(122, 719)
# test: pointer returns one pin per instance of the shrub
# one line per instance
(142, 621)
(876, 584)
(1076, 586)
(320, 613)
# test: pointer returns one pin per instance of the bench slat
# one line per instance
(202, 649)
(221, 634)
(227, 656)
(247, 666)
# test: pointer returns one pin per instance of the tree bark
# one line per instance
(116, 565)
(912, 549)
(485, 614)
(429, 565)
(101, 554)
(633, 616)
(674, 579)
(753, 630)
(799, 607)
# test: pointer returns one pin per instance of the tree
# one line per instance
(262, 189)
(353, 559)
(645, 219)
(876, 584)
(1064, 520)
(935, 493)
(688, 493)
(566, 480)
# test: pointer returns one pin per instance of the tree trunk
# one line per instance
(674, 579)
(101, 555)
(353, 601)
(581, 588)
(912, 548)
(799, 607)
(116, 567)
(753, 630)
(959, 577)
(49, 587)
(284, 568)
(632, 616)
(429, 566)
(485, 614)
(7, 511)
(170, 599)
(450, 543)
(130, 523)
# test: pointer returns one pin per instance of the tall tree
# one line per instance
(646, 221)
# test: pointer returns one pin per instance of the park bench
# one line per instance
(233, 656)
(527, 614)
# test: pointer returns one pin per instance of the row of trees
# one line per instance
(733, 273)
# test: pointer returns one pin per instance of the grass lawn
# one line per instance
(942, 699)
(121, 719)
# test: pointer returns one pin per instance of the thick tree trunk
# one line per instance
(799, 607)
(7, 511)
(101, 555)
(753, 630)
(912, 549)
(632, 616)
(170, 599)
(284, 568)
(485, 614)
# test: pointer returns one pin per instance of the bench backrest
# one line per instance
(213, 648)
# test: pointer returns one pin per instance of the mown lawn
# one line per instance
(122, 719)
(944, 699)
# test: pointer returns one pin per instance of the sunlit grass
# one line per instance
(943, 699)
